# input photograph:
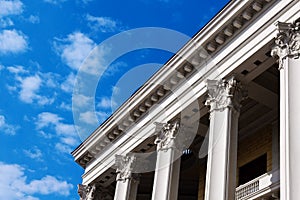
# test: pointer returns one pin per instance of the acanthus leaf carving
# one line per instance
(93, 192)
(125, 165)
(86, 192)
(224, 93)
(166, 133)
(287, 41)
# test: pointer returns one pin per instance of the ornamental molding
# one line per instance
(211, 38)
(224, 94)
(125, 165)
(287, 41)
(166, 134)
(93, 192)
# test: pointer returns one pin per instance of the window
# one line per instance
(253, 169)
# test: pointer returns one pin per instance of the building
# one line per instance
(227, 125)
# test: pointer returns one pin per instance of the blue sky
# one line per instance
(43, 44)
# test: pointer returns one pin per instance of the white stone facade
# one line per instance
(235, 81)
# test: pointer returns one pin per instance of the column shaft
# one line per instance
(289, 129)
(122, 190)
(224, 100)
(127, 182)
(287, 51)
(133, 189)
(222, 155)
(166, 178)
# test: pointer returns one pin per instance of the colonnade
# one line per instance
(224, 99)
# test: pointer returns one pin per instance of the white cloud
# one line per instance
(57, 2)
(7, 128)
(42, 100)
(93, 118)
(12, 41)
(6, 22)
(69, 141)
(66, 133)
(29, 87)
(10, 7)
(33, 19)
(34, 153)
(102, 116)
(88, 117)
(106, 103)
(63, 148)
(45, 135)
(68, 84)
(11, 88)
(16, 69)
(49, 79)
(102, 24)
(54, 1)
(116, 90)
(65, 106)
(74, 49)
(78, 51)
(81, 101)
(96, 63)
(46, 119)
(48, 185)
(15, 186)
(65, 129)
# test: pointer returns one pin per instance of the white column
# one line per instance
(287, 50)
(224, 101)
(135, 180)
(166, 178)
(127, 183)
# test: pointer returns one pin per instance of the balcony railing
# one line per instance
(258, 187)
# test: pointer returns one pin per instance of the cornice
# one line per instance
(235, 17)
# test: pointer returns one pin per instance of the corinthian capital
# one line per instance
(86, 192)
(287, 41)
(93, 192)
(223, 94)
(166, 133)
(124, 166)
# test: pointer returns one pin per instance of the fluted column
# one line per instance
(166, 178)
(287, 51)
(224, 101)
(127, 182)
